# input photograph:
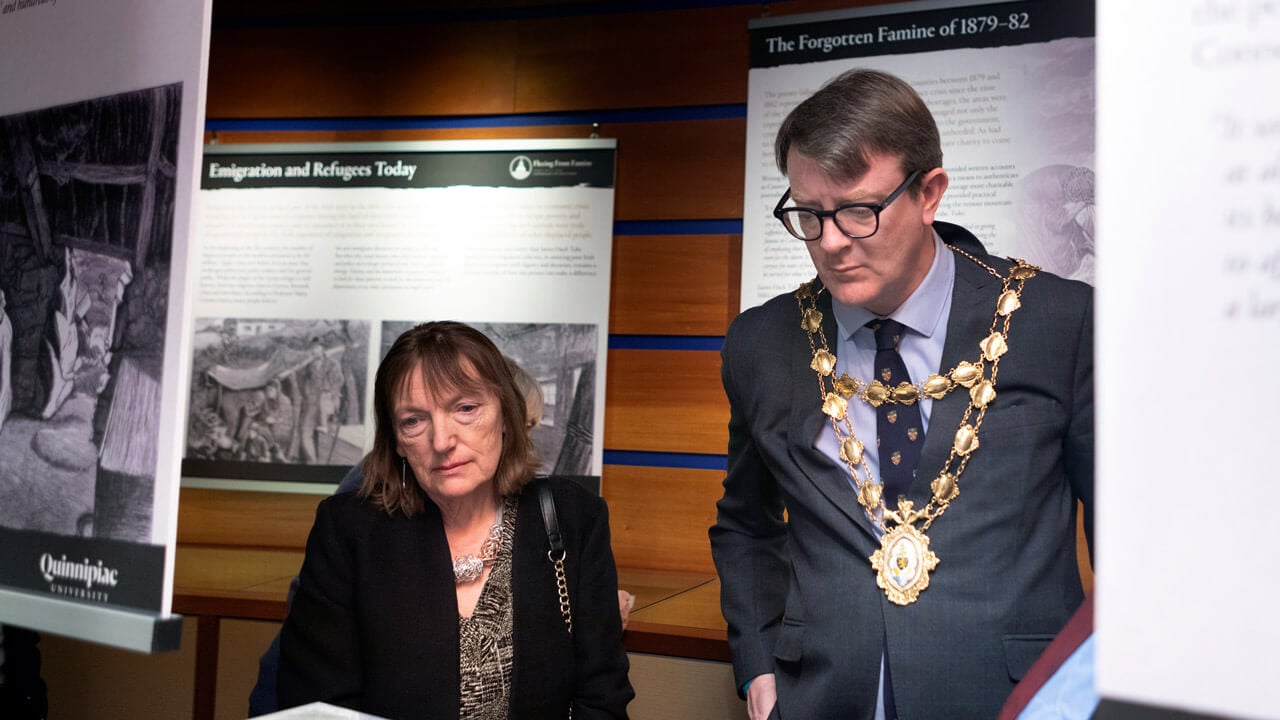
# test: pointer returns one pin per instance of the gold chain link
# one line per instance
(562, 586)
(837, 391)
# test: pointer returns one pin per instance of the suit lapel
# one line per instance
(807, 421)
(972, 307)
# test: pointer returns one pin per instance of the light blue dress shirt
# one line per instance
(924, 313)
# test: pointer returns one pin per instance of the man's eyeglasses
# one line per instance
(856, 220)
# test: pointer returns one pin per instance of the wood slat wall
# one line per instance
(699, 277)
(665, 401)
(659, 516)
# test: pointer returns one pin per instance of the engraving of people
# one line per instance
(277, 414)
(254, 435)
(321, 383)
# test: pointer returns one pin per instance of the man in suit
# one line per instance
(928, 596)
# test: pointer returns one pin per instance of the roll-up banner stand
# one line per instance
(100, 125)
(311, 259)
(1011, 85)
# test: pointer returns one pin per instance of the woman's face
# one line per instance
(452, 439)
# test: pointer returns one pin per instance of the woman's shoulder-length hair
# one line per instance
(449, 355)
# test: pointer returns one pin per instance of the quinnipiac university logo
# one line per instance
(521, 167)
(84, 579)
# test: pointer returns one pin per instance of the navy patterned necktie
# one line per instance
(899, 429)
(899, 437)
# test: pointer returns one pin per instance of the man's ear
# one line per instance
(932, 185)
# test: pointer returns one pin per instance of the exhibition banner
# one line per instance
(311, 259)
(100, 120)
(1011, 85)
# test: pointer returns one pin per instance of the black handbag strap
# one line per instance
(549, 519)
(556, 552)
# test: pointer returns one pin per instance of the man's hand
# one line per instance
(762, 695)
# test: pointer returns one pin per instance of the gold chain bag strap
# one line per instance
(556, 555)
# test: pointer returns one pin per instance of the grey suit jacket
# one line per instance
(800, 596)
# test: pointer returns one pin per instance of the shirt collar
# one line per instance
(922, 311)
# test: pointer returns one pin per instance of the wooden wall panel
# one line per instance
(672, 58)
(231, 137)
(339, 68)
(652, 59)
(258, 519)
(362, 71)
(451, 10)
(1082, 552)
(673, 284)
(665, 401)
(659, 516)
(663, 59)
(680, 170)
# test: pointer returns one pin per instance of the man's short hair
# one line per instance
(858, 114)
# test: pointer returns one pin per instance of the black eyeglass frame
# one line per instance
(822, 215)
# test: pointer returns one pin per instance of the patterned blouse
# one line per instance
(485, 638)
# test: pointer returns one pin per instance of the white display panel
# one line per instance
(101, 112)
(1011, 86)
(1188, 335)
(318, 256)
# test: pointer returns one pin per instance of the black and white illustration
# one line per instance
(1054, 203)
(1056, 218)
(87, 194)
(562, 359)
(276, 391)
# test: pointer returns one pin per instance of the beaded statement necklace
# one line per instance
(468, 568)
(904, 559)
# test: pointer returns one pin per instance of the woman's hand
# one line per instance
(626, 601)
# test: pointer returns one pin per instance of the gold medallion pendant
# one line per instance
(903, 563)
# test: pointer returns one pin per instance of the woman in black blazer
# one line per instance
(428, 593)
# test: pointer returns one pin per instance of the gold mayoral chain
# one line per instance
(904, 559)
